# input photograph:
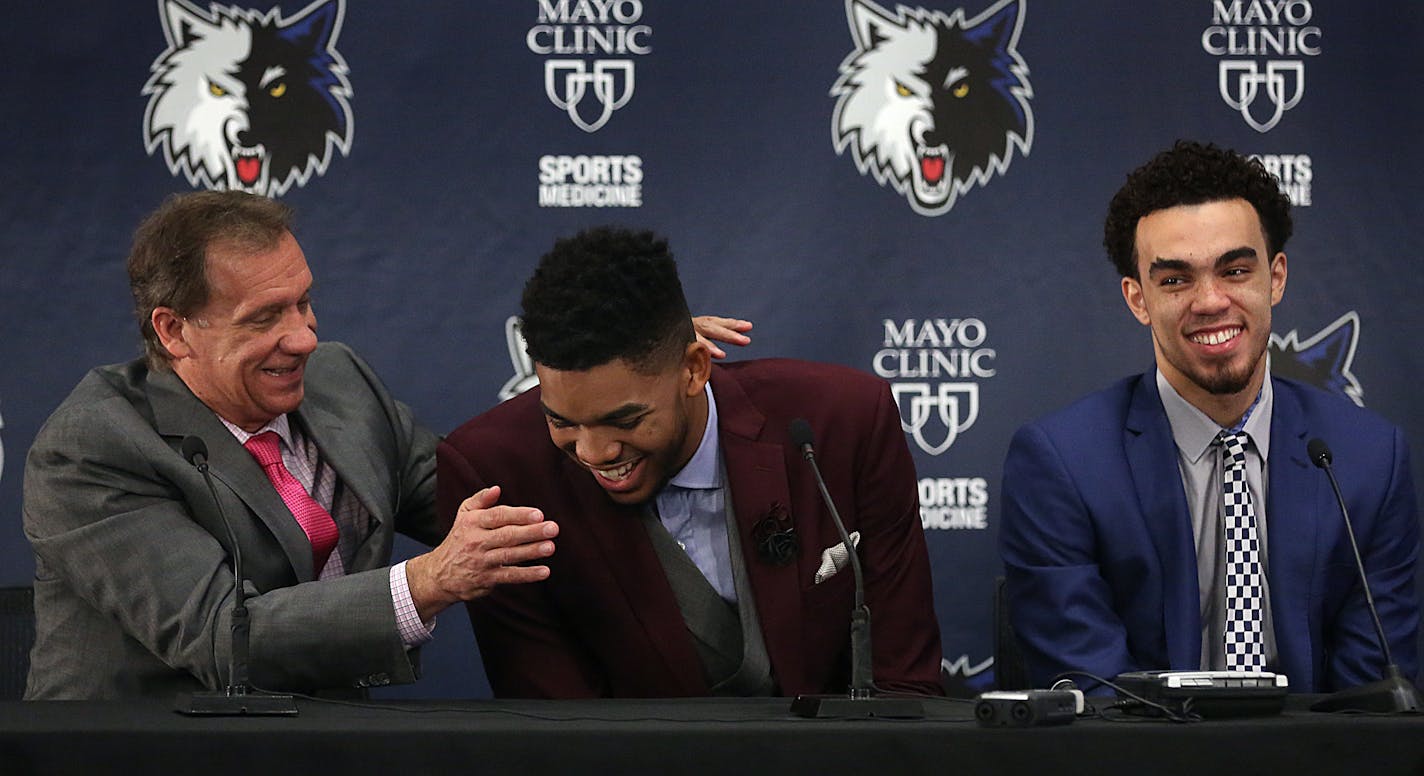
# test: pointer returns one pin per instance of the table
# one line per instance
(728, 737)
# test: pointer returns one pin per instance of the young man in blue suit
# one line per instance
(1131, 542)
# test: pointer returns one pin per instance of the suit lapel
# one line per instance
(1152, 456)
(756, 478)
(1295, 496)
(178, 413)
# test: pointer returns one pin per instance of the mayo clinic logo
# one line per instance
(934, 367)
(1275, 34)
(589, 91)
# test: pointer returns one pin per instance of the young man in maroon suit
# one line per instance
(694, 555)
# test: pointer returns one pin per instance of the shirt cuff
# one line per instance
(413, 631)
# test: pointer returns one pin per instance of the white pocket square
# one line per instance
(834, 558)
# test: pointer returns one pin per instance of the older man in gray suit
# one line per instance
(315, 467)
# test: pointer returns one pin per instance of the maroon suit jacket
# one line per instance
(605, 623)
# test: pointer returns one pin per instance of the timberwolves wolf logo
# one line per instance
(247, 100)
(963, 679)
(524, 377)
(933, 104)
(1324, 360)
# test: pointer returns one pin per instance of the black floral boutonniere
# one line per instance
(775, 536)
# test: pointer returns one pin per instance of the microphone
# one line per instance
(239, 698)
(860, 700)
(1393, 693)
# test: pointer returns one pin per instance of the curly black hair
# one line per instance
(1190, 173)
(606, 294)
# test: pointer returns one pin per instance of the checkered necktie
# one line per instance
(310, 515)
(1244, 650)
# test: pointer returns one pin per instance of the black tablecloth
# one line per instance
(683, 737)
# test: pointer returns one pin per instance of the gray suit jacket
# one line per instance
(133, 583)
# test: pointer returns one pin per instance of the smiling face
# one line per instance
(1205, 285)
(243, 354)
(632, 431)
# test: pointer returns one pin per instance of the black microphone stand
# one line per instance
(239, 697)
(1394, 693)
(860, 700)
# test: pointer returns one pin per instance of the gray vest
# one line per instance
(727, 636)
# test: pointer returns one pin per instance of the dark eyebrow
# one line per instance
(1180, 265)
(1245, 252)
(1167, 265)
(550, 413)
(622, 413)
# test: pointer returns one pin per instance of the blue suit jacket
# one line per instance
(1100, 564)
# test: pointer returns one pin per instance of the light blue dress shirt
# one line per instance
(692, 507)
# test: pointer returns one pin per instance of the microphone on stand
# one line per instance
(1393, 693)
(239, 698)
(860, 700)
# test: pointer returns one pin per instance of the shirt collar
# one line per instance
(702, 471)
(1258, 422)
(1194, 432)
(279, 424)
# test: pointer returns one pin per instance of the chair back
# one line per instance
(17, 636)
(1009, 670)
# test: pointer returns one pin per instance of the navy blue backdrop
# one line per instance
(790, 151)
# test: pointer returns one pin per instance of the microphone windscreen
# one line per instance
(801, 433)
(192, 448)
(1319, 452)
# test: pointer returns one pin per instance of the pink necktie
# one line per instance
(313, 519)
